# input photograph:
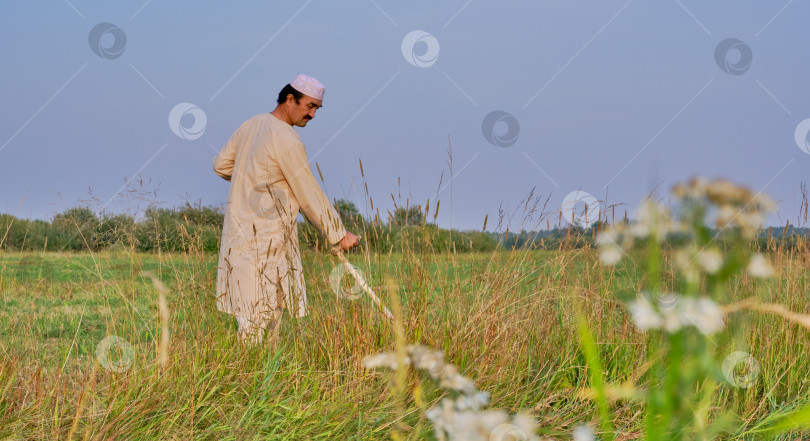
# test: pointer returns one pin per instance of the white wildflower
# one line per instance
(739, 207)
(583, 433)
(694, 189)
(442, 417)
(760, 267)
(385, 360)
(424, 359)
(750, 222)
(711, 260)
(608, 237)
(612, 243)
(491, 419)
(749, 219)
(473, 402)
(685, 261)
(672, 319)
(644, 315)
(667, 301)
(702, 313)
(676, 312)
(461, 418)
(510, 431)
(427, 360)
(525, 423)
(721, 191)
(668, 305)
(651, 219)
(726, 216)
(683, 258)
(458, 383)
(490, 425)
(610, 255)
(764, 203)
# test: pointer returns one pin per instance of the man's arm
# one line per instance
(223, 162)
(292, 159)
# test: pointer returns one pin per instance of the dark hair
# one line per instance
(289, 90)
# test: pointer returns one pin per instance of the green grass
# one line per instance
(507, 319)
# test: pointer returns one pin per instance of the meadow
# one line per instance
(545, 332)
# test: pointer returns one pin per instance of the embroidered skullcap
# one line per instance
(308, 86)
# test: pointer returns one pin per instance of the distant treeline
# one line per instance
(197, 228)
(183, 228)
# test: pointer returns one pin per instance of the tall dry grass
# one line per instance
(507, 319)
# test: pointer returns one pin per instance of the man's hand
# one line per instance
(349, 241)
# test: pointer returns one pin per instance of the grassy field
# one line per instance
(507, 319)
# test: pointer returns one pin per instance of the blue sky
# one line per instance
(614, 98)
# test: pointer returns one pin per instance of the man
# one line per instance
(260, 271)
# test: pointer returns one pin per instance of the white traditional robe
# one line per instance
(259, 269)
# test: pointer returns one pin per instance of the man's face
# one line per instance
(300, 113)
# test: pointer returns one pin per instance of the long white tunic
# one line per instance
(260, 268)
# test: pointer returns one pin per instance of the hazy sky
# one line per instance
(612, 98)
